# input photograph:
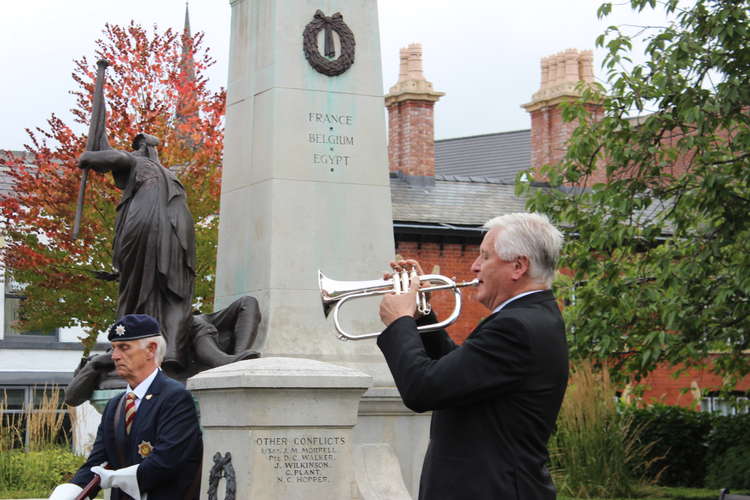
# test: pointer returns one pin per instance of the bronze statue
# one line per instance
(154, 260)
(154, 243)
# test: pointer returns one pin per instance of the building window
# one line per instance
(33, 417)
(13, 303)
(715, 404)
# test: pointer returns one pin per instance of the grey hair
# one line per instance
(161, 347)
(529, 235)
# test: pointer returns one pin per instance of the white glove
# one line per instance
(65, 491)
(125, 479)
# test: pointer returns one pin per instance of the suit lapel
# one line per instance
(146, 407)
(121, 439)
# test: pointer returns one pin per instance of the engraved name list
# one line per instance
(301, 459)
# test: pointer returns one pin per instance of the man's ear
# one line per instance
(520, 267)
(152, 347)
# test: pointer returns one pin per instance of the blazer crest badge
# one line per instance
(145, 448)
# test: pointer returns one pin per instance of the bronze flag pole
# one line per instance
(97, 139)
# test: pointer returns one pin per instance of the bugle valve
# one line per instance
(335, 293)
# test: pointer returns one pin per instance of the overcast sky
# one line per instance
(484, 54)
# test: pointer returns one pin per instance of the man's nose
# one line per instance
(474, 266)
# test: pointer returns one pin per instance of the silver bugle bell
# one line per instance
(335, 293)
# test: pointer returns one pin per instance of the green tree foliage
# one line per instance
(660, 252)
(150, 88)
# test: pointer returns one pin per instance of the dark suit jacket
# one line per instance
(494, 399)
(169, 421)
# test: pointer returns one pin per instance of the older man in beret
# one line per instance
(149, 440)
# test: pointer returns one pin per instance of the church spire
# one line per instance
(186, 60)
(188, 99)
(186, 30)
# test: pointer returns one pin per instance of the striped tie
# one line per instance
(129, 411)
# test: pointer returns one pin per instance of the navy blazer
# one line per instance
(168, 421)
(495, 399)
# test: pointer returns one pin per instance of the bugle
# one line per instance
(335, 293)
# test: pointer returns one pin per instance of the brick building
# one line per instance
(443, 191)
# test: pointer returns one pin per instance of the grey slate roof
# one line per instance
(453, 200)
(5, 180)
(499, 156)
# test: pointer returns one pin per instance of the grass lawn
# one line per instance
(664, 493)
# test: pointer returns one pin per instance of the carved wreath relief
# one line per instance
(326, 64)
(222, 468)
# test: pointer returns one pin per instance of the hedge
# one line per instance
(695, 449)
(728, 453)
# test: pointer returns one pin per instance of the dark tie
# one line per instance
(129, 411)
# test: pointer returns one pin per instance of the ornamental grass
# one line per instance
(595, 451)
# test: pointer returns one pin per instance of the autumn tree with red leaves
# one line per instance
(156, 84)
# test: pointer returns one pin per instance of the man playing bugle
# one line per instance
(496, 397)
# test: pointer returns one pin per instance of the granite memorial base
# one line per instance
(282, 428)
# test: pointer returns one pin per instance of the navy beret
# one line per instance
(133, 327)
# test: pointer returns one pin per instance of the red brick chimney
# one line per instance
(561, 73)
(411, 129)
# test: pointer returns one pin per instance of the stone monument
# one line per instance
(305, 179)
(305, 188)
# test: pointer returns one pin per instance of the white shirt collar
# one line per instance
(142, 388)
(524, 294)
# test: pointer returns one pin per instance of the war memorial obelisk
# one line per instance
(305, 177)
(305, 187)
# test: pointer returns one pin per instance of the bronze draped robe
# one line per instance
(154, 251)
